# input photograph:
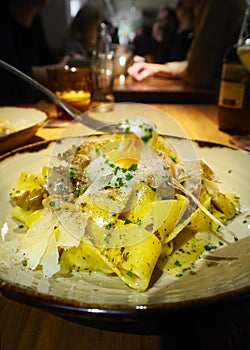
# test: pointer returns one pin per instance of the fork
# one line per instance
(73, 112)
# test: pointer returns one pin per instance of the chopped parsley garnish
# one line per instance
(116, 170)
(170, 178)
(147, 130)
(24, 263)
(119, 182)
(130, 273)
(77, 193)
(72, 175)
(174, 158)
(146, 138)
(129, 176)
(133, 167)
(109, 226)
(209, 247)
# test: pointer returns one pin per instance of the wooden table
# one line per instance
(160, 90)
(199, 122)
(23, 327)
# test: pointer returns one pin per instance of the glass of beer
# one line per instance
(243, 46)
(243, 52)
(73, 85)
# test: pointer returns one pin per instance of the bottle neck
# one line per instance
(104, 40)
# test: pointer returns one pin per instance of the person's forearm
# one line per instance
(40, 72)
(172, 70)
(143, 70)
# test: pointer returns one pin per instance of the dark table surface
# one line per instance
(160, 90)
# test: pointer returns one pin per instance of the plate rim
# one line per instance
(19, 137)
(83, 310)
(39, 122)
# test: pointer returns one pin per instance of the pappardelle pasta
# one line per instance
(119, 204)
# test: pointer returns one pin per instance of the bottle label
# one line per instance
(233, 85)
(231, 95)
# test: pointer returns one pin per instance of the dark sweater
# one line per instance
(23, 48)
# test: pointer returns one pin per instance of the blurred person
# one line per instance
(216, 27)
(177, 43)
(163, 32)
(23, 45)
(82, 33)
(184, 34)
(153, 42)
(143, 44)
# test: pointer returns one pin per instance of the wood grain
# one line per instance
(198, 121)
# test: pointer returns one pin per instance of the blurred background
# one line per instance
(125, 16)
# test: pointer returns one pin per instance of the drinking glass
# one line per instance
(102, 74)
(73, 85)
(243, 47)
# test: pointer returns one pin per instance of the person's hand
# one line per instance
(63, 61)
(142, 70)
(76, 56)
(40, 72)
(171, 70)
(138, 58)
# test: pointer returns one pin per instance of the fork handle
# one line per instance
(40, 87)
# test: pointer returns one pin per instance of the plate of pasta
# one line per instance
(17, 125)
(124, 226)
